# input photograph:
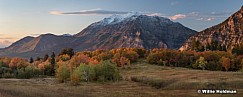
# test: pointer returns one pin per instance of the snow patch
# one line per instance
(118, 18)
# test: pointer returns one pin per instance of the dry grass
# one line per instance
(172, 82)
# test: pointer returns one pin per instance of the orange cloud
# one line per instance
(177, 16)
(55, 12)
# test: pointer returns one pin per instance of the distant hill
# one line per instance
(130, 30)
(38, 46)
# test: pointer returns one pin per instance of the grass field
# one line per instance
(139, 80)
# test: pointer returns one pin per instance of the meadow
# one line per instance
(138, 80)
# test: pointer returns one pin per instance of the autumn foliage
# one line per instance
(104, 65)
(18, 63)
(225, 63)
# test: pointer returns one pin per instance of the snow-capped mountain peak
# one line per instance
(118, 18)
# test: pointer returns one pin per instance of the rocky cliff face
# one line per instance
(135, 31)
(228, 33)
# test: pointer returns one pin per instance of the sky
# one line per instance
(21, 18)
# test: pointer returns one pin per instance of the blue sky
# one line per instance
(20, 18)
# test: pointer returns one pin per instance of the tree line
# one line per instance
(104, 65)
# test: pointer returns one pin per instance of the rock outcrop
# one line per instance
(228, 33)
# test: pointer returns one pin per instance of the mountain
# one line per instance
(20, 42)
(37, 46)
(130, 30)
(135, 30)
(226, 34)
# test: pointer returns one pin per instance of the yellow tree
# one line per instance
(226, 63)
(62, 73)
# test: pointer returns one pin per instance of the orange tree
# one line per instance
(226, 63)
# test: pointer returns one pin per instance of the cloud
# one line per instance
(192, 15)
(89, 12)
(201, 16)
(210, 19)
(219, 14)
(55, 12)
(5, 43)
(177, 16)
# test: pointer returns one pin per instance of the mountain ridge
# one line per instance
(137, 24)
(132, 30)
(229, 33)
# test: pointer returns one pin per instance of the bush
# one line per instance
(84, 72)
(62, 73)
(111, 72)
(81, 73)
(141, 52)
(131, 55)
(49, 70)
(96, 73)
(25, 73)
(106, 71)
(161, 62)
(213, 65)
(104, 56)
(8, 75)
(75, 77)
(153, 58)
(36, 72)
(200, 64)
